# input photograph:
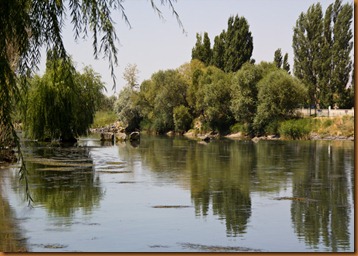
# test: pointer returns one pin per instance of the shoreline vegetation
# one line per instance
(313, 128)
(309, 128)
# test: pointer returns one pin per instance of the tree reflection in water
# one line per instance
(221, 176)
(326, 179)
(11, 236)
(62, 178)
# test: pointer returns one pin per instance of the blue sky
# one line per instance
(154, 44)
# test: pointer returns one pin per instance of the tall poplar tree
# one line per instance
(322, 47)
(202, 50)
(278, 58)
(285, 64)
(238, 43)
(307, 40)
(341, 49)
(219, 51)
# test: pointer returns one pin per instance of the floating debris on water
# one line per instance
(213, 248)
(171, 206)
(158, 246)
(112, 171)
(295, 199)
(56, 162)
(116, 163)
(50, 246)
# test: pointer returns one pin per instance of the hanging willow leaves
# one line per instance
(26, 26)
(62, 103)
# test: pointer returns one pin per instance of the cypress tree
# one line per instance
(278, 58)
(286, 65)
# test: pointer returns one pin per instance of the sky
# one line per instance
(155, 44)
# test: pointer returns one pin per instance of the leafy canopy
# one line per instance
(62, 103)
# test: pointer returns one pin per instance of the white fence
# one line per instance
(326, 112)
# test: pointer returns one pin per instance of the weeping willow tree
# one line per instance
(28, 25)
(61, 103)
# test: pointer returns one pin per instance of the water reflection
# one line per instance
(11, 236)
(222, 175)
(325, 179)
(227, 182)
(62, 178)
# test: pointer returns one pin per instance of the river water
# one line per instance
(178, 195)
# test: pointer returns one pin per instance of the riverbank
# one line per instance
(318, 128)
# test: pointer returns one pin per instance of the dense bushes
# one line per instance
(296, 129)
(257, 97)
(279, 94)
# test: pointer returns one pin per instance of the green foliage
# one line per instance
(239, 127)
(244, 93)
(202, 50)
(104, 118)
(127, 109)
(281, 62)
(278, 58)
(238, 43)
(218, 59)
(285, 64)
(106, 103)
(191, 73)
(272, 128)
(28, 25)
(231, 49)
(278, 97)
(182, 118)
(159, 96)
(213, 98)
(256, 97)
(62, 103)
(130, 75)
(322, 45)
(296, 129)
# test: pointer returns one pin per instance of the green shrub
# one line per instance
(295, 129)
(182, 118)
(272, 128)
(103, 118)
(238, 127)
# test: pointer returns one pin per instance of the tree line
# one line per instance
(255, 99)
(222, 88)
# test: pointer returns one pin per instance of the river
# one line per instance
(172, 194)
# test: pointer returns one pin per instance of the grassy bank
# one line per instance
(320, 127)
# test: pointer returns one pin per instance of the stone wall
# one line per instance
(327, 112)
